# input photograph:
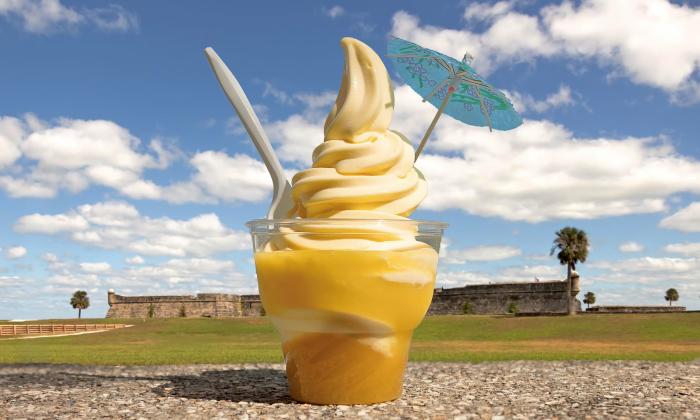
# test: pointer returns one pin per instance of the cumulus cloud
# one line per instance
(15, 252)
(10, 281)
(118, 225)
(485, 11)
(179, 271)
(72, 155)
(481, 253)
(503, 42)
(335, 11)
(12, 131)
(229, 178)
(297, 135)
(646, 39)
(524, 102)
(683, 272)
(631, 246)
(690, 249)
(136, 259)
(45, 16)
(685, 220)
(540, 171)
(172, 276)
(95, 267)
(513, 274)
(630, 37)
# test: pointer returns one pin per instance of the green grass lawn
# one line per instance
(662, 337)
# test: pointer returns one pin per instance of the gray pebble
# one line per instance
(499, 390)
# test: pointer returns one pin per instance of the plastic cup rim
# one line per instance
(299, 221)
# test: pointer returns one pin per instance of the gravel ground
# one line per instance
(433, 390)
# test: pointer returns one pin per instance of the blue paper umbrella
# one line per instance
(453, 87)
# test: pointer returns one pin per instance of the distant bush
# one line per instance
(512, 308)
(467, 308)
(262, 311)
(151, 310)
(183, 312)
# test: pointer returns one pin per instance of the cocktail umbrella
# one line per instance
(453, 87)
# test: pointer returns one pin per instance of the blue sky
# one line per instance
(121, 165)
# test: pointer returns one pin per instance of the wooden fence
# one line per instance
(50, 329)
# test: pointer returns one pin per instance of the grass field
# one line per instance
(662, 337)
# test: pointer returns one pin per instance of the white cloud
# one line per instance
(98, 267)
(524, 102)
(45, 16)
(503, 42)
(12, 130)
(135, 260)
(691, 249)
(236, 178)
(112, 18)
(72, 155)
(278, 95)
(175, 276)
(685, 220)
(485, 11)
(658, 273)
(649, 265)
(647, 39)
(118, 225)
(320, 101)
(529, 272)
(295, 137)
(631, 37)
(448, 279)
(50, 257)
(335, 11)
(481, 253)
(540, 171)
(10, 281)
(15, 252)
(514, 274)
(51, 224)
(631, 246)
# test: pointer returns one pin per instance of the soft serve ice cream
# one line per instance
(362, 170)
(346, 282)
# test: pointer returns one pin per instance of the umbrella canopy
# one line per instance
(453, 86)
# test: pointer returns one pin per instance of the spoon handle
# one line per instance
(281, 200)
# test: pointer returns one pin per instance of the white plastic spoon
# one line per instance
(281, 189)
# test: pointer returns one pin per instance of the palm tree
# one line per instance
(671, 295)
(572, 245)
(589, 299)
(80, 301)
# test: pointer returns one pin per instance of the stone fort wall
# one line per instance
(213, 305)
(546, 297)
(620, 309)
(535, 298)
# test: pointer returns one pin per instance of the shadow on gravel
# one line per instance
(236, 385)
(251, 385)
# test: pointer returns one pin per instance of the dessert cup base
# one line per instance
(326, 368)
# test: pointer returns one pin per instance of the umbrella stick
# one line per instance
(443, 105)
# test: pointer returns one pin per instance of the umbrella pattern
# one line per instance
(453, 86)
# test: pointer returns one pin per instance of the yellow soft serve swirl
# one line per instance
(362, 169)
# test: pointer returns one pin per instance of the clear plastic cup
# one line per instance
(345, 296)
